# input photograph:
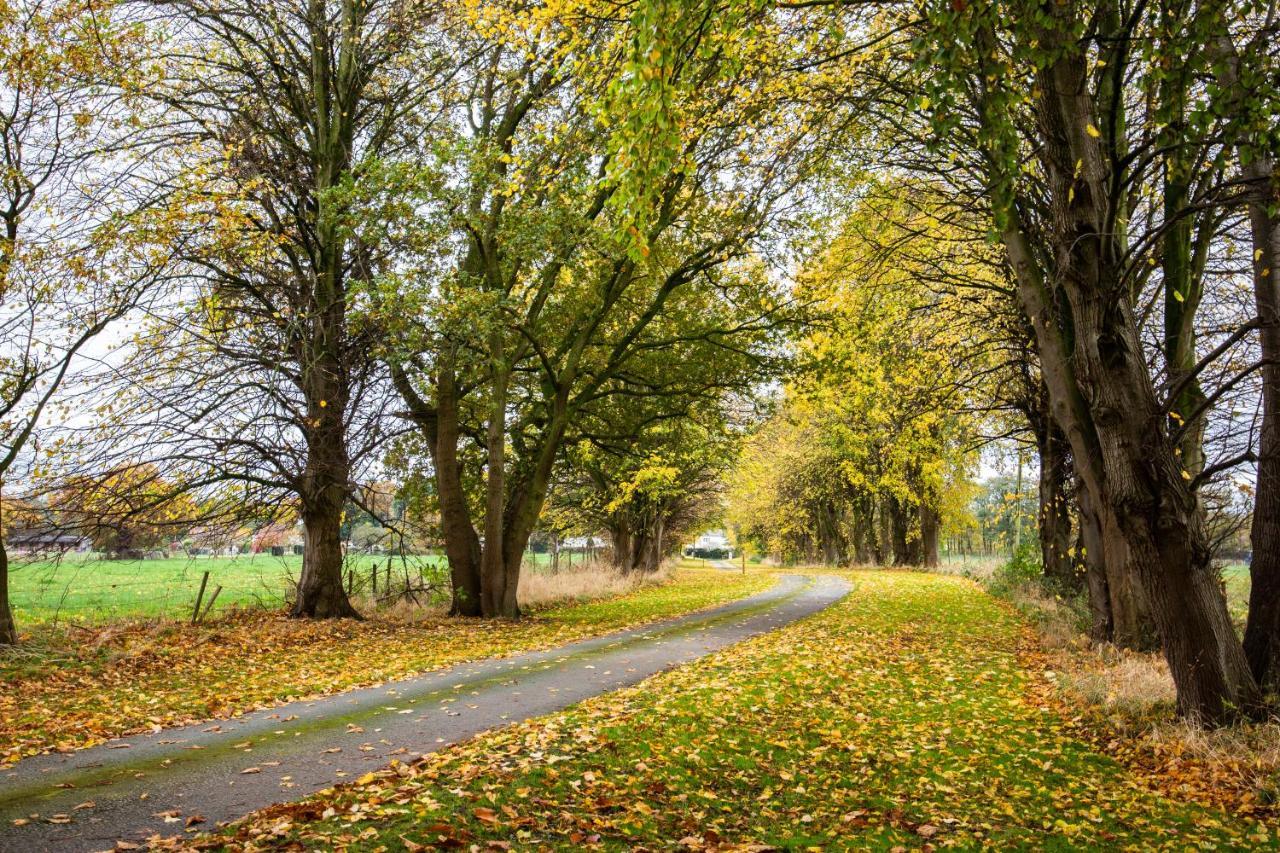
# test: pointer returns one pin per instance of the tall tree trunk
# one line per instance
(323, 494)
(1054, 514)
(325, 483)
(493, 569)
(1258, 169)
(526, 495)
(1262, 633)
(929, 524)
(623, 549)
(461, 542)
(1183, 286)
(439, 426)
(1091, 553)
(647, 545)
(8, 631)
(863, 532)
(884, 532)
(906, 542)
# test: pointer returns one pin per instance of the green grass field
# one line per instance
(85, 588)
(1236, 578)
(898, 719)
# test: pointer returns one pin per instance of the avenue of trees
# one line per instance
(545, 261)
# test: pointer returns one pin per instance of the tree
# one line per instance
(895, 363)
(302, 124)
(70, 260)
(1245, 62)
(560, 284)
(1047, 88)
(126, 512)
(651, 491)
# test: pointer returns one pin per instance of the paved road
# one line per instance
(136, 787)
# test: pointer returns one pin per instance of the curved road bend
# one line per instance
(153, 783)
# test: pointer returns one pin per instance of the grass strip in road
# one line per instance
(896, 719)
(186, 674)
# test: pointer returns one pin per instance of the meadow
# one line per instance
(85, 588)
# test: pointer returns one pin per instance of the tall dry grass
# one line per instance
(1131, 696)
(587, 581)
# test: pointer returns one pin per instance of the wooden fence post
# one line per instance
(209, 606)
(195, 611)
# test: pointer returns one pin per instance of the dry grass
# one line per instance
(584, 582)
(970, 566)
(1125, 703)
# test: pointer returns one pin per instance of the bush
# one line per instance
(1021, 569)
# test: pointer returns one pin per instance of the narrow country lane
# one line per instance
(146, 784)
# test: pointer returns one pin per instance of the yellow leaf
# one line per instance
(1093, 131)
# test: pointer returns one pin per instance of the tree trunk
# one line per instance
(646, 545)
(439, 427)
(494, 597)
(324, 491)
(1054, 515)
(8, 631)
(906, 545)
(623, 553)
(526, 495)
(321, 594)
(461, 542)
(1183, 287)
(864, 532)
(1091, 553)
(1262, 633)
(929, 524)
(883, 536)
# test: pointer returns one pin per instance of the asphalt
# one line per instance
(136, 787)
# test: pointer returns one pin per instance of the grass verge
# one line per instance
(898, 718)
(1123, 702)
(131, 678)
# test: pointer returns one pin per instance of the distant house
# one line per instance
(713, 545)
(47, 542)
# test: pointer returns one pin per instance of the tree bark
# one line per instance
(1054, 514)
(325, 486)
(883, 534)
(321, 594)
(439, 426)
(461, 542)
(623, 553)
(1183, 287)
(906, 546)
(1091, 553)
(929, 524)
(494, 598)
(8, 631)
(864, 532)
(1262, 632)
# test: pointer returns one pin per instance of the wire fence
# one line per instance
(89, 588)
